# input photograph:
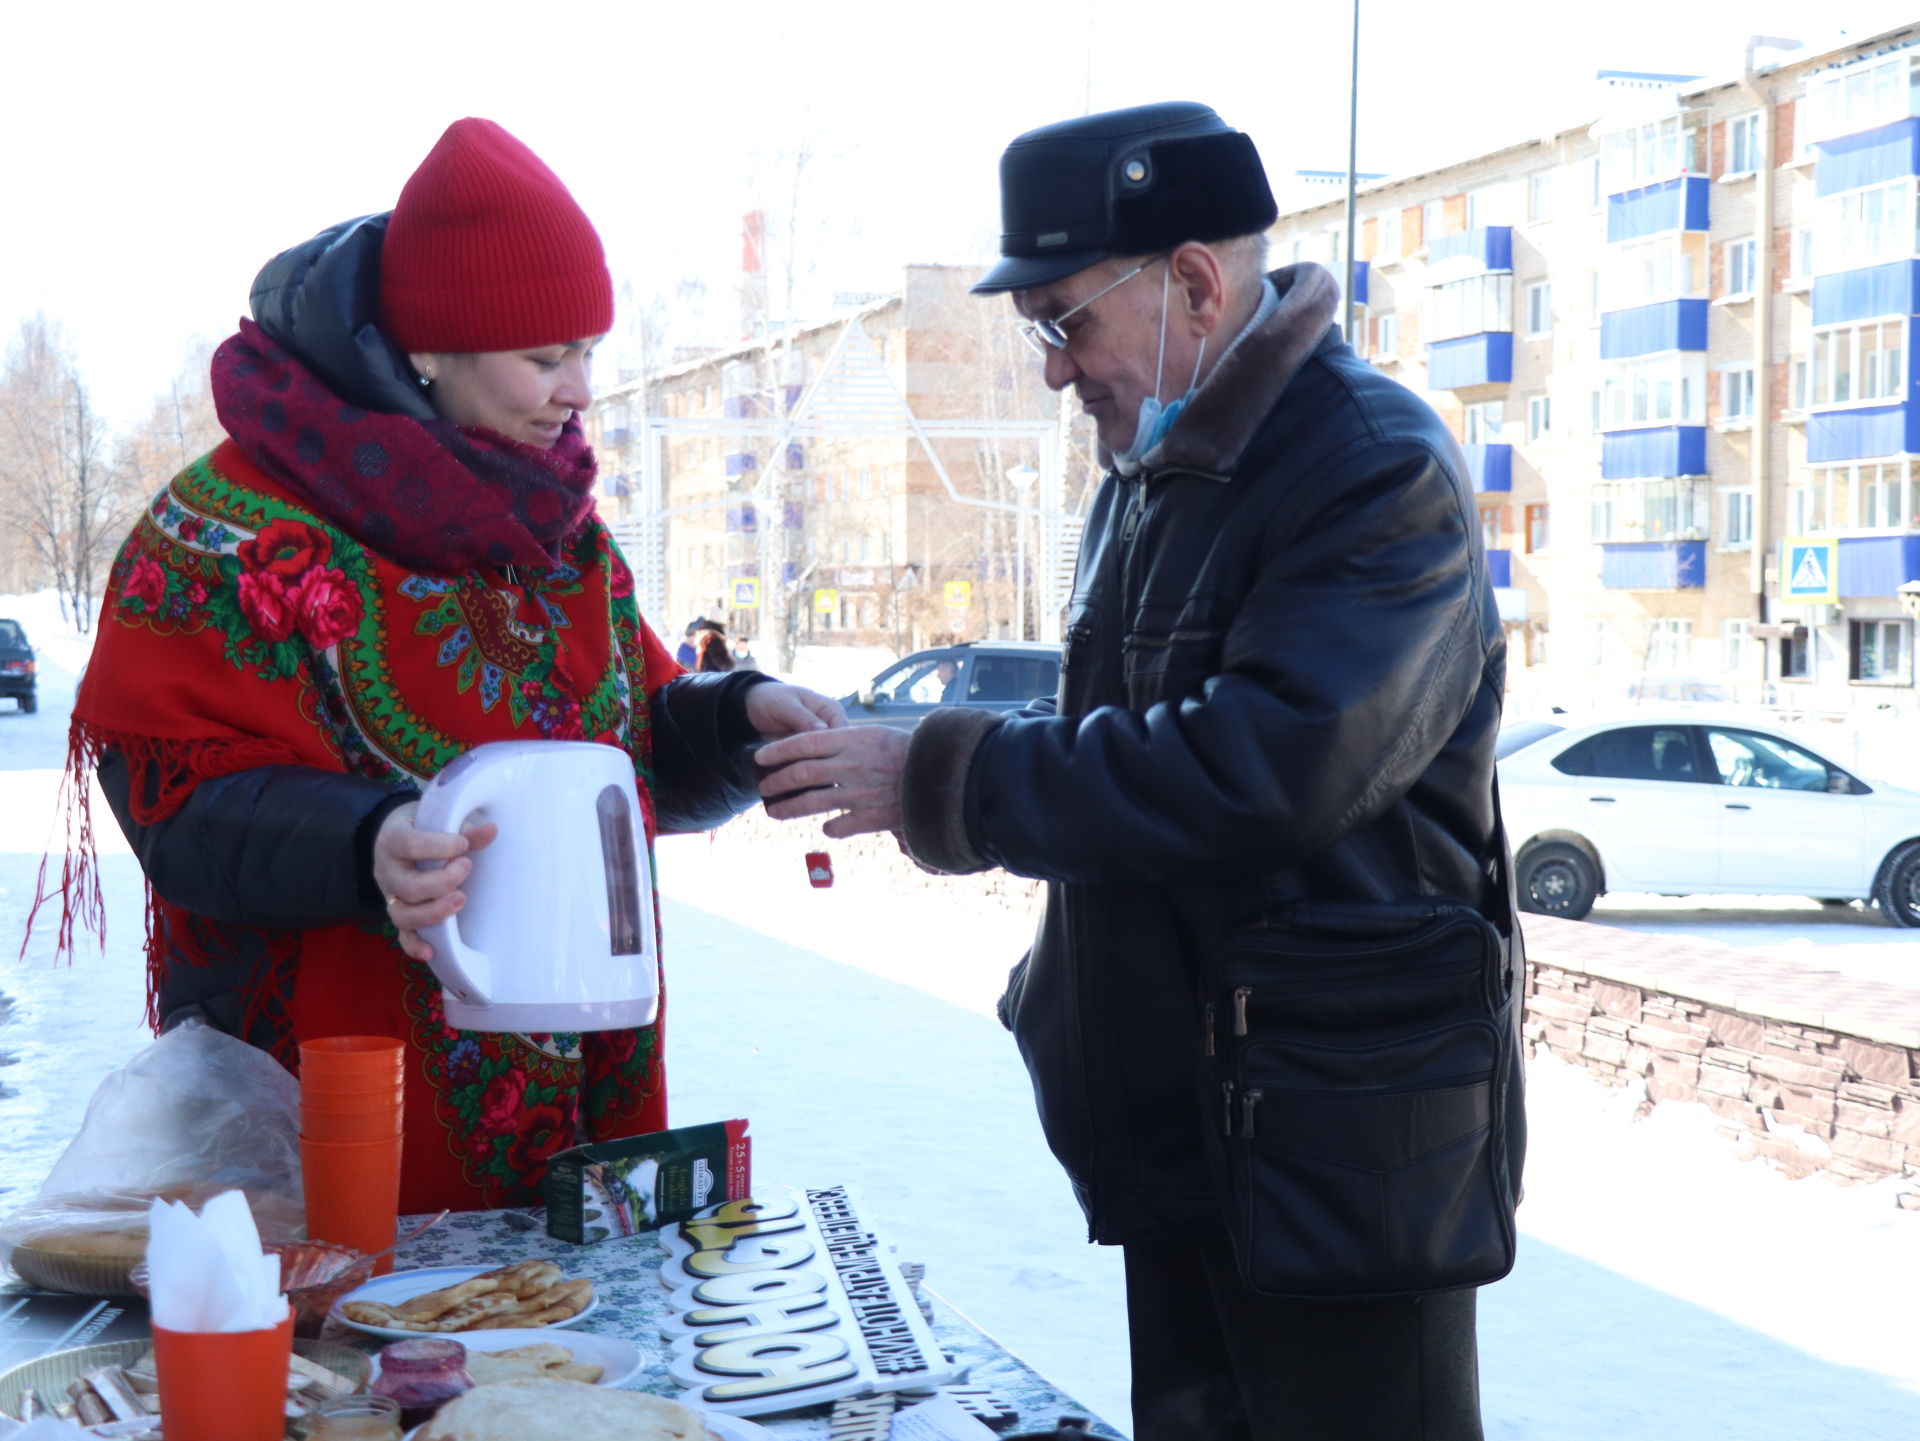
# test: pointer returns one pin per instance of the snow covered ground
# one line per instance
(1665, 1292)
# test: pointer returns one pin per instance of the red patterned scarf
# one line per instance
(432, 495)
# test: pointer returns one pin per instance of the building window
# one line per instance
(1540, 196)
(1743, 144)
(1536, 528)
(1735, 655)
(1858, 97)
(1387, 246)
(1672, 266)
(1870, 495)
(1386, 335)
(1739, 259)
(1625, 510)
(1482, 424)
(1596, 192)
(1473, 306)
(1539, 418)
(1879, 650)
(1641, 154)
(1669, 644)
(1859, 364)
(1667, 389)
(1736, 393)
(1797, 383)
(1489, 205)
(1433, 221)
(1492, 529)
(1736, 518)
(1593, 404)
(866, 485)
(1794, 656)
(1540, 309)
(1802, 258)
(1867, 227)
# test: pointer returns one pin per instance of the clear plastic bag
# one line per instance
(195, 1113)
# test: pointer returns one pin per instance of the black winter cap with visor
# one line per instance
(1123, 182)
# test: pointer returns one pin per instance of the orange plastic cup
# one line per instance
(348, 1126)
(353, 1193)
(353, 1060)
(224, 1385)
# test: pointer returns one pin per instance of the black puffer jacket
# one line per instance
(289, 847)
(1282, 682)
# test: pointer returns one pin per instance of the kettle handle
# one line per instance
(452, 798)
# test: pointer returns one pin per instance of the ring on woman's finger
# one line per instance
(392, 901)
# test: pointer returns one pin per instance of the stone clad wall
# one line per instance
(1809, 1071)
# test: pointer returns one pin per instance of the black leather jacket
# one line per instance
(290, 847)
(1282, 682)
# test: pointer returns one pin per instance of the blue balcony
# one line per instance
(1485, 247)
(741, 462)
(1864, 433)
(1500, 568)
(1660, 453)
(1360, 282)
(614, 439)
(1489, 467)
(1653, 565)
(1871, 157)
(1655, 209)
(1868, 294)
(743, 518)
(1651, 329)
(1878, 565)
(1471, 360)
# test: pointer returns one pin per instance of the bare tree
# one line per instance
(58, 486)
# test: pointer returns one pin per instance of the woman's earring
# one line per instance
(425, 381)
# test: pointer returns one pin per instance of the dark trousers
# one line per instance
(1212, 1361)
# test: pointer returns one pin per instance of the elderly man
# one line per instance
(1269, 1011)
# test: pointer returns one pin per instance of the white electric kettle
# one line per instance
(557, 932)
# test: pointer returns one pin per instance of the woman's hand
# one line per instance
(419, 898)
(854, 771)
(778, 708)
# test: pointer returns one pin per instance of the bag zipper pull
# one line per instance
(1241, 995)
(1226, 1093)
(1247, 1103)
(1209, 1035)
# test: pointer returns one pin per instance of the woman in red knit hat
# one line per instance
(394, 557)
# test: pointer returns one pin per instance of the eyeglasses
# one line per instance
(1044, 335)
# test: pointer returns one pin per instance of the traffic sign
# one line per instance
(1810, 570)
(959, 594)
(746, 594)
(826, 601)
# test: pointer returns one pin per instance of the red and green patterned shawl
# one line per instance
(241, 628)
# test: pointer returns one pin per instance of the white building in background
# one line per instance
(1676, 343)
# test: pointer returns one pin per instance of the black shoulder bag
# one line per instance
(1364, 1080)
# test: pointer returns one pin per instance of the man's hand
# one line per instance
(778, 708)
(417, 899)
(854, 770)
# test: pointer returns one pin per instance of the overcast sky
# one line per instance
(154, 156)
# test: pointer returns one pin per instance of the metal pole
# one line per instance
(1353, 156)
(1020, 593)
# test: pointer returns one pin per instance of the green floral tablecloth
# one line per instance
(632, 1303)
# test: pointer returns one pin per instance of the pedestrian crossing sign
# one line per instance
(1810, 570)
(746, 594)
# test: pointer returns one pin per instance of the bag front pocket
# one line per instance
(1365, 1170)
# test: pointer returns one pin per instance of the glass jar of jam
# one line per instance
(354, 1418)
(422, 1376)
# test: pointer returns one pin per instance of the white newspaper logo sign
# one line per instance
(782, 1300)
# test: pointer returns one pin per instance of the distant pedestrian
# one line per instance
(743, 657)
(710, 652)
(683, 652)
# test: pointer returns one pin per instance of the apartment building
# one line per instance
(1675, 342)
(856, 481)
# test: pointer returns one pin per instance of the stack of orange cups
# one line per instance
(352, 1090)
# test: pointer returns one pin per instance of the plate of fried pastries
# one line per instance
(442, 1300)
(495, 1357)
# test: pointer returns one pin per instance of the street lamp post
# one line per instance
(1021, 477)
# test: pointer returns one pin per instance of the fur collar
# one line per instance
(1220, 421)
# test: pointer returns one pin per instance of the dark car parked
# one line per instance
(992, 675)
(16, 666)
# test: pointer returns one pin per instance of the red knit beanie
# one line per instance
(487, 251)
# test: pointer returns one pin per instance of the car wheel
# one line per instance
(1558, 880)
(29, 704)
(1899, 890)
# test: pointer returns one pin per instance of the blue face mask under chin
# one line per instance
(1157, 419)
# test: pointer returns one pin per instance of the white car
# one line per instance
(1681, 803)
